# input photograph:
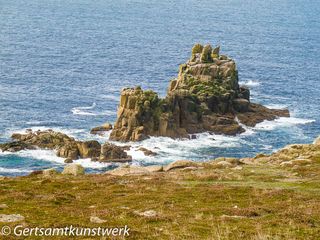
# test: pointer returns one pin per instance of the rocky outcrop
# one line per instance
(66, 147)
(205, 96)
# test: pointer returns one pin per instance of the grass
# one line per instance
(252, 203)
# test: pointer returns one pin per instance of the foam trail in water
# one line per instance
(250, 83)
(282, 122)
(276, 106)
(82, 111)
(13, 170)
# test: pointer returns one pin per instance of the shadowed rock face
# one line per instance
(205, 96)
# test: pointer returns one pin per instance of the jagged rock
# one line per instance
(206, 54)
(180, 164)
(258, 113)
(101, 129)
(205, 96)
(216, 52)
(15, 146)
(113, 153)
(89, 149)
(241, 104)
(197, 48)
(147, 152)
(73, 169)
(69, 150)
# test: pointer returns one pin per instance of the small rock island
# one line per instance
(205, 97)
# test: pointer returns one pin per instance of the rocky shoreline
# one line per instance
(291, 156)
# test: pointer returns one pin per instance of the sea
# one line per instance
(63, 64)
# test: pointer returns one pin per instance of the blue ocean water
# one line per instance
(63, 64)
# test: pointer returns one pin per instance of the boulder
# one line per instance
(180, 164)
(135, 170)
(68, 160)
(3, 206)
(224, 164)
(113, 153)
(147, 152)
(98, 220)
(73, 169)
(101, 129)
(147, 214)
(49, 172)
(4, 218)
(126, 171)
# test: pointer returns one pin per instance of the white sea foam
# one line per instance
(174, 149)
(282, 122)
(250, 83)
(276, 106)
(87, 163)
(87, 111)
(40, 154)
(13, 170)
(50, 156)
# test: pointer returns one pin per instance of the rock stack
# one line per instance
(205, 96)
